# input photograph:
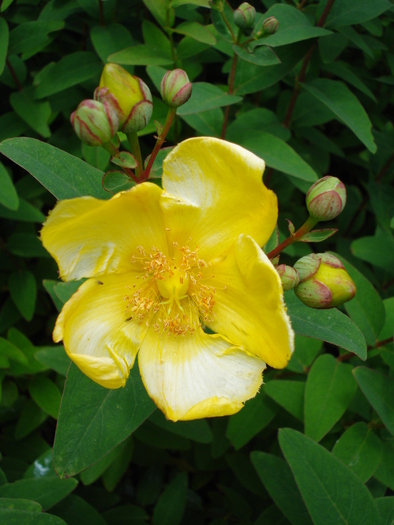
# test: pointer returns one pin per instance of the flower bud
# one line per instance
(270, 26)
(244, 16)
(128, 95)
(324, 282)
(94, 123)
(288, 276)
(175, 88)
(326, 198)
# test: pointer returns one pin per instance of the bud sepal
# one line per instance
(326, 198)
(94, 123)
(289, 276)
(324, 282)
(245, 16)
(175, 88)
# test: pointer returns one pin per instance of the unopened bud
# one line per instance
(288, 276)
(324, 282)
(175, 88)
(270, 26)
(94, 123)
(244, 16)
(129, 96)
(326, 198)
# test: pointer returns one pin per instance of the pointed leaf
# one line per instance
(206, 96)
(319, 235)
(346, 106)
(3, 43)
(23, 291)
(379, 390)
(93, 419)
(331, 491)
(329, 389)
(171, 504)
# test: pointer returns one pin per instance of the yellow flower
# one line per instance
(164, 264)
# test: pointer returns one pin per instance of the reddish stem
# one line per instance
(305, 228)
(301, 76)
(13, 74)
(346, 357)
(230, 91)
(170, 117)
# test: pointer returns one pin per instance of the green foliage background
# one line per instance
(316, 445)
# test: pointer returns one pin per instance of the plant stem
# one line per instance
(378, 344)
(13, 74)
(305, 228)
(230, 86)
(228, 25)
(113, 150)
(301, 76)
(170, 117)
(136, 151)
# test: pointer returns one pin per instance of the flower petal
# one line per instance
(88, 237)
(249, 307)
(215, 193)
(97, 330)
(197, 375)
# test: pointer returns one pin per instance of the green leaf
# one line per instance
(22, 517)
(93, 419)
(385, 508)
(331, 491)
(26, 212)
(46, 394)
(26, 245)
(379, 390)
(319, 235)
(279, 155)
(367, 308)
(23, 291)
(4, 34)
(385, 471)
(71, 70)
(351, 12)
(158, 8)
(294, 26)
(91, 474)
(20, 504)
(45, 491)
(360, 449)
(49, 287)
(196, 31)
(208, 123)
(255, 121)
(221, 27)
(126, 515)
(200, 3)
(30, 418)
(377, 250)
(341, 70)
(171, 504)
(42, 467)
(288, 394)
(197, 430)
(8, 195)
(110, 39)
(206, 96)
(141, 55)
(74, 510)
(331, 326)
(305, 352)
(329, 389)
(9, 350)
(261, 56)
(11, 126)
(31, 37)
(119, 466)
(64, 291)
(35, 114)
(346, 106)
(279, 482)
(256, 415)
(55, 358)
(62, 174)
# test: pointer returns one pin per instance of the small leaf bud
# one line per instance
(288, 276)
(326, 199)
(175, 88)
(270, 26)
(94, 123)
(129, 96)
(324, 282)
(244, 16)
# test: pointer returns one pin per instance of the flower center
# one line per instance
(172, 296)
(174, 287)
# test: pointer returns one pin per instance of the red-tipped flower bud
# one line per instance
(288, 276)
(94, 123)
(175, 88)
(270, 26)
(244, 16)
(324, 282)
(326, 198)
(128, 95)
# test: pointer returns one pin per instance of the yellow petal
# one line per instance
(197, 375)
(88, 237)
(249, 307)
(215, 193)
(97, 330)
(122, 85)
